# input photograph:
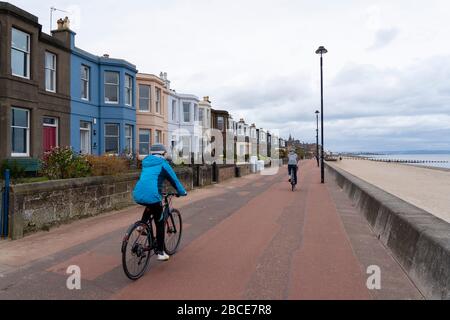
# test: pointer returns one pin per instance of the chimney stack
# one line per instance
(63, 32)
(106, 56)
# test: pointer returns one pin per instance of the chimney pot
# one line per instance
(66, 23)
(106, 55)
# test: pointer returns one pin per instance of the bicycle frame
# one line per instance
(167, 213)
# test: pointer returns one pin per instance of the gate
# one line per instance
(196, 175)
(4, 205)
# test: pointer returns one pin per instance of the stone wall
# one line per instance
(39, 206)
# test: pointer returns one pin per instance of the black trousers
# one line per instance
(292, 168)
(156, 210)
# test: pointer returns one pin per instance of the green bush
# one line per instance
(16, 171)
(63, 163)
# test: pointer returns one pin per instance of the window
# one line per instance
(128, 139)
(50, 72)
(220, 123)
(186, 112)
(85, 78)
(111, 87)
(20, 54)
(158, 136)
(158, 101)
(195, 112)
(128, 90)
(201, 116)
(174, 110)
(144, 141)
(144, 98)
(20, 127)
(85, 137)
(112, 138)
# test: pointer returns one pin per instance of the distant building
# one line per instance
(222, 121)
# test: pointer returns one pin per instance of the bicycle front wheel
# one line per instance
(136, 250)
(173, 230)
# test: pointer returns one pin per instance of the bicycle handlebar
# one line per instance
(170, 194)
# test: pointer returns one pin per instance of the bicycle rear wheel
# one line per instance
(136, 250)
(173, 230)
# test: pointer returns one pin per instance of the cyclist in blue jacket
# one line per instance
(148, 191)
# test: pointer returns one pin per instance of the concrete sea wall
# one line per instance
(419, 241)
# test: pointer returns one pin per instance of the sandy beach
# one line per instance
(428, 189)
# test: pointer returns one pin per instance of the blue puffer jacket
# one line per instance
(155, 170)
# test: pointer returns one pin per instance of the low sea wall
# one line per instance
(419, 241)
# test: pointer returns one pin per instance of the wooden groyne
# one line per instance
(404, 161)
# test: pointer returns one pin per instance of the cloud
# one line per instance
(383, 38)
(256, 59)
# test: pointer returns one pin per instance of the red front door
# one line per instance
(49, 138)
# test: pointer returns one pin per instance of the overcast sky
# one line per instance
(387, 73)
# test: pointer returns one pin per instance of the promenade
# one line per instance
(247, 238)
(426, 188)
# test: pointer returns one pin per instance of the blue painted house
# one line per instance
(103, 102)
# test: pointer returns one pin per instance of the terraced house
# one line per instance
(34, 87)
(103, 113)
(152, 121)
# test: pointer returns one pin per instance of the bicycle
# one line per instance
(292, 179)
(293, 182)
(140, 241)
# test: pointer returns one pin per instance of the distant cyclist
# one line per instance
(148, 191)
(293, 165)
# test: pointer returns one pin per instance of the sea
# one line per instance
(442, 160)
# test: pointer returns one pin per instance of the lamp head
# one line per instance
(321, 50)
(317, 112)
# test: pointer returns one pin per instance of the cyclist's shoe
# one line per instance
(163, 257)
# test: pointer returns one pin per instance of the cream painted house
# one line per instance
(151, 112)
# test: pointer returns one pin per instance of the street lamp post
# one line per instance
(322, 51)
(317, 138)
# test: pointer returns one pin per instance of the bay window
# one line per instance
(111, 87)
(128, 90)
(144, 141)
(112, 138)
(144, 98)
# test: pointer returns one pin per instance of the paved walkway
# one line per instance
(248, 238)
(428, 189)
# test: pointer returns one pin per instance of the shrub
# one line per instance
(16, 171)
(63, 163)
(107, 165)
